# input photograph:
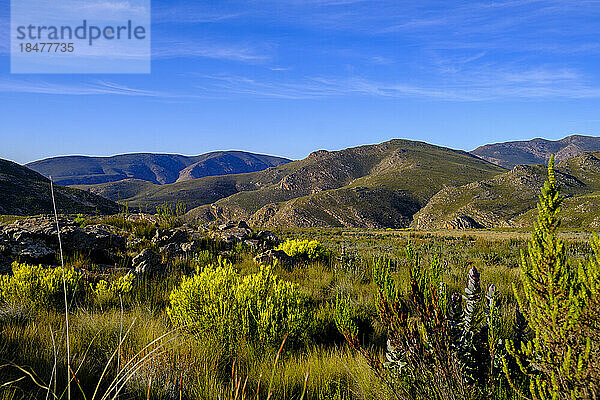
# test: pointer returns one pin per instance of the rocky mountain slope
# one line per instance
(509, 199)
(154, 168)
(537, 151)
(25, 192)
(377, 185)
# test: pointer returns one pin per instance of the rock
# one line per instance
(463, 222)
(172, 251)
(148, 262)
(243, 225)
(191, 247)
(35, 240)
(268, 237)
(251, 242)
(272, 256)
(234, 235)
(4, 242)
(141, 217)
(164, 237)
(225, 226)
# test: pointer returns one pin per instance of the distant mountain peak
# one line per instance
(536, 151)
(155, 168)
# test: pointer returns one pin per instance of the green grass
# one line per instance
(199, 367)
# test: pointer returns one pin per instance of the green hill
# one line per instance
(377, 185)
(509, 200)
(25, 192)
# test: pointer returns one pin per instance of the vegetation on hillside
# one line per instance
(356, 315)
(441, 346)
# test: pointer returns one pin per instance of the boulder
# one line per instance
(272, 256)
(172, 251)
(268, 238)
(164, 237)
(191, 247)
(243, 225)
(234, 235)
(148, 262)
(251, 242)
(225, 226)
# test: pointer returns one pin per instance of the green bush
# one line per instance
(306, 249)
(560, 352)
(257, 307)
(40, 287)
(113, 292)
(80, 220)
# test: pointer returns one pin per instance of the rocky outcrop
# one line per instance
(271, 257)
(35, 240)
(163, 237)
(148, 263)
(231, 233)
(463, 222)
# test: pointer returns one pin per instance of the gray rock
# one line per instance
(191, 247)
(251, 242)
(271, 257)
(148, 262)
(164, 237)
(36, 240)
(268, 238)
(172, 251)
(243, 225)
(234, 235)
(225, 226)
(463, 222)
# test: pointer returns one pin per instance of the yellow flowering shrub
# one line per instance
(307, 249)
(112, 292)
(40, 287)
(257, 307)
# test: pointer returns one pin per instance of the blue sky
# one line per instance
(288, 77)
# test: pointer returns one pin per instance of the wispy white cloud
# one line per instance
(483, 85)
(15, 85)
(191, 49)
(190, 13)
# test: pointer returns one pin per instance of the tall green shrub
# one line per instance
(561, 353)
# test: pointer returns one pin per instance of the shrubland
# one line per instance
(359, 315)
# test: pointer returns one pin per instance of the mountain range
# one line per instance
(395, 184)
(537, 151)
(376, 186)
(155, 168)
